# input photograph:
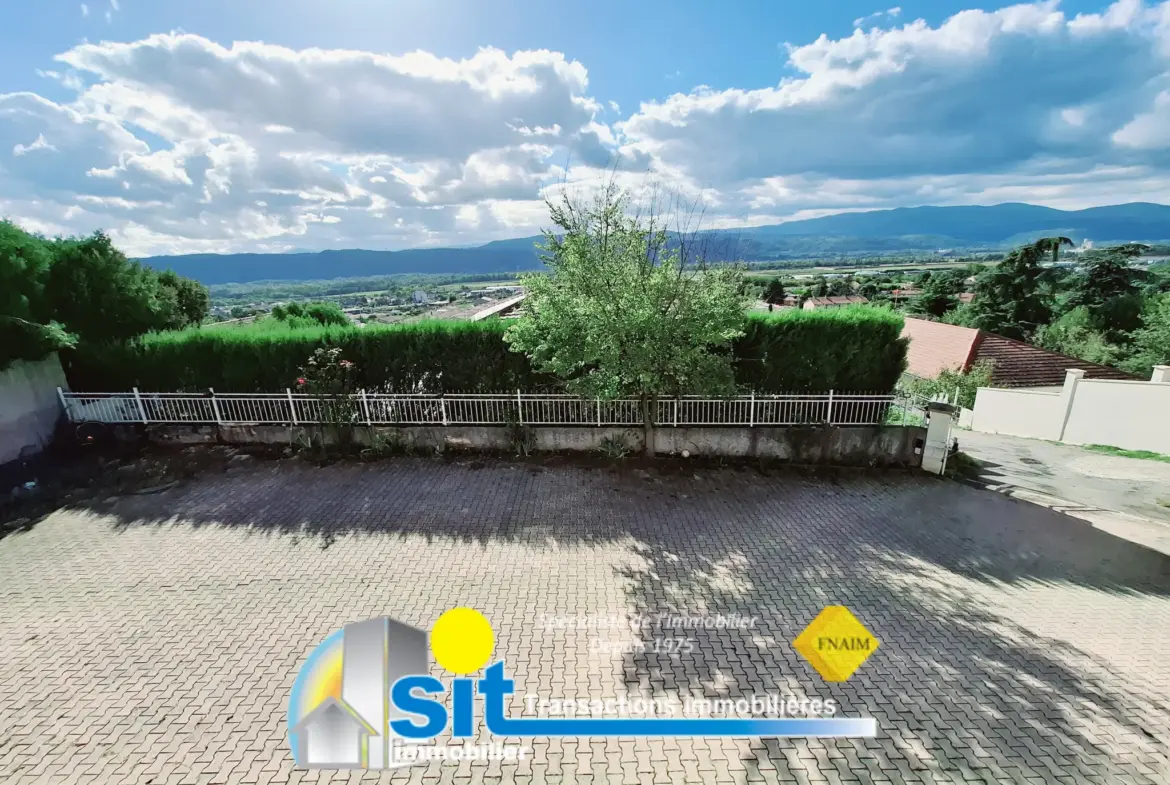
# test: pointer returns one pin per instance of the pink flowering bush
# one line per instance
(326, 373)
(331, 380)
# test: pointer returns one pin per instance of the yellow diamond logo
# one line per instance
(836, 643)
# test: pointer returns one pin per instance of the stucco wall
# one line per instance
(1036, 415)
(1130, 415)
(29, 407)
(846, 446)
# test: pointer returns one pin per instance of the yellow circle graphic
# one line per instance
(462, 640)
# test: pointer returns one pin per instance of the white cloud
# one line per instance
(84, 10)
(40, 143)
(373, 138)
(892, 109)
(1149, 130)
(877, 16)
(178, 143)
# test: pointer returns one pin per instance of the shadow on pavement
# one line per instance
(959, 689)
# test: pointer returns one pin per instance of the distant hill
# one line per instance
(904, 229)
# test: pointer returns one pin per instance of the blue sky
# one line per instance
(266, 125)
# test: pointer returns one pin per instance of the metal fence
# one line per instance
(289, 408)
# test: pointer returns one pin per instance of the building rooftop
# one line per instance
(935, 347)
(846, 300)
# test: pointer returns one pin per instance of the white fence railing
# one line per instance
(289, 408)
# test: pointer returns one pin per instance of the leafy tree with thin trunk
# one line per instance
(25, 333)
(1010, 299)
(940, 293)
(774, 292)
(630, 309)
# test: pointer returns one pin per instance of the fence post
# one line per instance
(830, 418)
(519, 406)
(905, 409)
(598, 412)
(752, 415)
(676, 411)
(366, 408)
(443, 409)
(214, 406)
(292, 409)
(141, 408)
(64, 406)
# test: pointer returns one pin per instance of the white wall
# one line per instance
(29, 406)
(1036, 415)
(1130, 415)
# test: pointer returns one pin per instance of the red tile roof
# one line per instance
(935, 346)
(847, 300)
(1017, 364)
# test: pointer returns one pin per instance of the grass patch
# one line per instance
(1144, 455)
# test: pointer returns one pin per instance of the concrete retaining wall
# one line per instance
(29, 407)
(846, 446)
(1129, 415)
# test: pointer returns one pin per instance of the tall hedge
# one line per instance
(856, 349)
(431, 356)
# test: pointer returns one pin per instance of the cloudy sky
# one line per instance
(306, 124)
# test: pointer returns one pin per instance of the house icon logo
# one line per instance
(339, 712)
(366, 699)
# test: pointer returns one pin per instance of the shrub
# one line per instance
(854, 349)
(429, 356)
(848, 350)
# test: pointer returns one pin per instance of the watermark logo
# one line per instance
(341, 715)
(836, 643)
(365, 699)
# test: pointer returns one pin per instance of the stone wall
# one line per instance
(845, 446)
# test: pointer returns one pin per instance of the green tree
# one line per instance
(101, 296)
(774, 292)
(1151, 343)
(628, 309)
(192, 302)
(940, 293)
(1010, 298)
(1075, 333)
(840, 287)
(310, 314)
(27, 331)
(1110, 290)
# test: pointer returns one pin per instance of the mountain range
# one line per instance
(915, 230)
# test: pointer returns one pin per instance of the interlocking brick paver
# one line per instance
(155, 638)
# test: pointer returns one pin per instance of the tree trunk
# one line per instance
(648, 407)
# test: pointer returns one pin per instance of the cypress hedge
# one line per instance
(856, 349)
(853, 349)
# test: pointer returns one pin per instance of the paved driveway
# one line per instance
(1107, 482)
(155, 639)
